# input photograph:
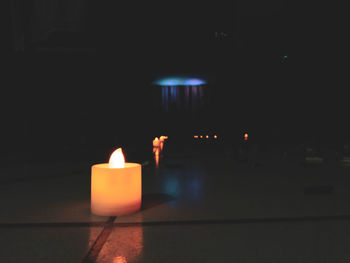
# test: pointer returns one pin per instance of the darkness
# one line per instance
(79, 84)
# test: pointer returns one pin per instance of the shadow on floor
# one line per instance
(152, 200)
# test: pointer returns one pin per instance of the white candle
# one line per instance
(116, 187)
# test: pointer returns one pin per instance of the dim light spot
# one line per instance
(195, 136)
(215, 136)
(207, 136)
(201, 136)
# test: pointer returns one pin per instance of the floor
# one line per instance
(197, 207)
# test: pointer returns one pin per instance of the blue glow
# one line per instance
(179, 81)
(194, 82)
(172, 186)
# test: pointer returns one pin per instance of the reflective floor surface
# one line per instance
(196, 208)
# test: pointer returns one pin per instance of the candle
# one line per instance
(116, 186)
(156, 142)
(162, 139)
(246, 136)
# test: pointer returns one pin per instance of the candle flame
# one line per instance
(156, 142)
(117, 159)
(246, 136)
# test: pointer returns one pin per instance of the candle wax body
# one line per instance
(115, 191)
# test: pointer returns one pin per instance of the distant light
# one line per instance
(207, 136)
(179, 81)
(201, 136)
(169, 82)
(220, 34)
(195, 136)
(215, 136)
(194, 82)
(246, 136)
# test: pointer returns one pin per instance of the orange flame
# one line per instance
(156, 142)
(117, 159)
(246, 136)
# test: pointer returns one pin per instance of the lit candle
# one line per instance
(246, 136)
(116, 187)
(156, 142)
(162, 139)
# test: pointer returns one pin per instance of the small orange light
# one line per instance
(246, 136)
(161, 141)
(215, 136)
(201, 136)
(156, 142)
(207, 136)
(195, 136)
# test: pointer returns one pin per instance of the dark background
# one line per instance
(77, 76)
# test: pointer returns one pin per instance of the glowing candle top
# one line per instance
(156, 142)
(163, 138)
(117, 159)
(246, 136)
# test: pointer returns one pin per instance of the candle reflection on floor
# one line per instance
(124, 245)
(120, 259)
(156, 158)
(156, 152)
